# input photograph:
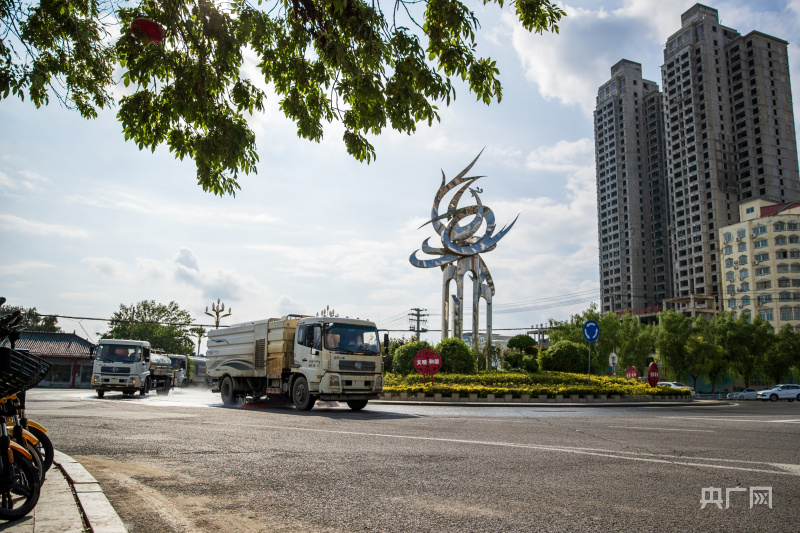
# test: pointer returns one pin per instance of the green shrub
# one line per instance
(511, 360)
(456, 357)
(403, 362)
(565, 356)
(530, 363)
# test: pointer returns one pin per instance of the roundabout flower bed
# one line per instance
(517, 384)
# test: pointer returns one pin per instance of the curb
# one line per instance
(694, 403)
(98, 512)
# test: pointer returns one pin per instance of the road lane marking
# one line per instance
(786, 469)
(664, 429)
(735, 419)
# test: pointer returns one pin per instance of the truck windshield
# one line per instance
(351, 338)
(119, 353)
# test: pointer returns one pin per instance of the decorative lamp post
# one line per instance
(218, 309)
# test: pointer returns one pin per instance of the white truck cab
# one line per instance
(129, 366)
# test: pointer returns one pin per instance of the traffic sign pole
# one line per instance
(591, 332)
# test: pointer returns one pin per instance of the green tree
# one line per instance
(388, 355)
(197, 332)
(403, 362)
(780, 357)
(327, 60)
(635, 343)
(672, 334)
(164, 326)
(744, 341)
(523, 343)
(457, 358)
(32, 319)
(572, 330)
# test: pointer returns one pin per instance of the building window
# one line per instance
(742, 259)
(791, 226)
(728, 250)
(780, 241)
(779, 226)
(728, 237)
(749, 210)
(729, 276)
(784, 282)
(758, 230)
(745, 300)
(766, 314)
(740, 234)
(794, 239)
(743, 273)
(785, 296)
(742, 247)
(761, 244)
(782, 269)
(761, 257)
(762, 271)
(797, 313)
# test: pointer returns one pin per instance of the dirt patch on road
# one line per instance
(150, 497)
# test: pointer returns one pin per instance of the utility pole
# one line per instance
(417, 320)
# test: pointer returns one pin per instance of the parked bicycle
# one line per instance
(23, 456)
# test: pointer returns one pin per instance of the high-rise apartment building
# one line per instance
(728, 136)
(631, 191)
(761, 262)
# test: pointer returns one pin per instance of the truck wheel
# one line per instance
(226, 391)
(100, 393)
(301, 396)
(357, 405)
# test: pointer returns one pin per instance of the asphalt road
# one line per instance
(186, 463)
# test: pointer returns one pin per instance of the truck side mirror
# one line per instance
(146, 354)
(386, 342)
(91, 353)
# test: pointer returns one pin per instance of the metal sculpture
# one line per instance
(460, 253)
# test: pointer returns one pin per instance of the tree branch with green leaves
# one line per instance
(346, 61)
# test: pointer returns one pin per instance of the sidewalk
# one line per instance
(71, 502)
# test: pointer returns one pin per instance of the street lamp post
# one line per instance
(218, 309)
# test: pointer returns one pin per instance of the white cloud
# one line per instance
(20, 268)
(14, 223)
(226, 284)
(571, 65)
(109, 267)
(563, 156)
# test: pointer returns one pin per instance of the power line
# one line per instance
(129, 321)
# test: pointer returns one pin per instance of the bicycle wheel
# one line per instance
(20, 491)
(36, 460)
(45, 447)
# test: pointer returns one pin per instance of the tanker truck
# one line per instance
(130, 366)
(297, 357)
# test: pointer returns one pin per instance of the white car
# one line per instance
(746, 394)
(675, 385)
(789, 392)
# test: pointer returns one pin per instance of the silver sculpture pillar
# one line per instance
(460, 254)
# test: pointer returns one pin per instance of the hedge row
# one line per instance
(518, 383)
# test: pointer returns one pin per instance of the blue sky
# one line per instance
(89, 222)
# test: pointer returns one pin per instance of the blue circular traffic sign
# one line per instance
(591, 331)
